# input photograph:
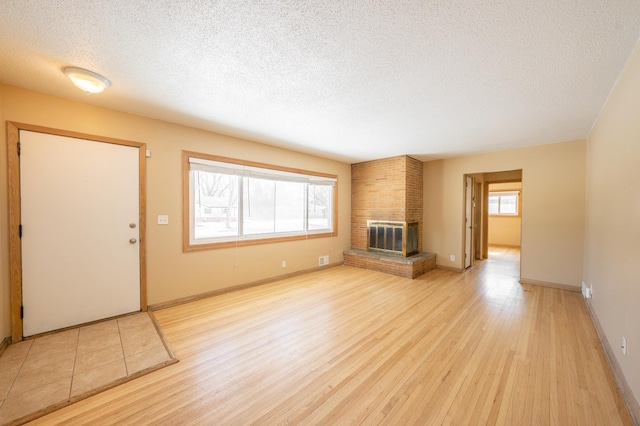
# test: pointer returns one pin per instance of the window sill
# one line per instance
(187, 247)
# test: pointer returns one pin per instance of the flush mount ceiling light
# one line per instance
(87, 81)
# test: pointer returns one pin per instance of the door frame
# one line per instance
(469, 184)
(472, 205)
(478, 206)
(15, 245)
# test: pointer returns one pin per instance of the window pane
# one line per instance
(493, 204)
(215, 205)
(232, 200)
(320, 199)
(259, 206)
(508, 204)
(289, 206)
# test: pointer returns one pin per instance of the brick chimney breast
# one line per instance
(389, 189)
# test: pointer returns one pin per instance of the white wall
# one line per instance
(612, 249)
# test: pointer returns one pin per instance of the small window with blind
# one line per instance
(503, 203)
(229, 202)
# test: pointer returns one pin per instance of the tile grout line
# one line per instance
(13, 382)
(76, 376)
(124, 358)
(75, 361)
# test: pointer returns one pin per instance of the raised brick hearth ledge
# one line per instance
(408, 267)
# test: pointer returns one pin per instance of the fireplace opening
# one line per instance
(393, 237)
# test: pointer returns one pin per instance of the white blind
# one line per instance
(503, 193)
(211, 166)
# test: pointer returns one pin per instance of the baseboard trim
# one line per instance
(552, 285)
(188, 299)
(623, 385)
(449, 268)
(4, 344)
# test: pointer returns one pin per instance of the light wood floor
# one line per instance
(350, 346)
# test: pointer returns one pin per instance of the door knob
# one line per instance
(133, 241)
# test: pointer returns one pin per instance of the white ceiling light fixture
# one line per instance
(87, 81)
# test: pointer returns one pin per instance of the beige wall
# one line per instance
(612, 247)
(171, 273)
(505, 230)
(552, 238)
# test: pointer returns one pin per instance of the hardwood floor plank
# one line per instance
(351, 346)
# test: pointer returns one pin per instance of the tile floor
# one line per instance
(52, 369)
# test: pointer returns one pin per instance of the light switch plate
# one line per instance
(163, 219)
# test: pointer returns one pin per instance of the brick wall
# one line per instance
(392, 265)
(414, 195)
(387, 189)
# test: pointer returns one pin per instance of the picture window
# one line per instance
(230, 201)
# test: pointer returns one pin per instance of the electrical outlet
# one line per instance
(624, 346)
(163, 219)
(284, 263)
(452, 257)
(586, 290)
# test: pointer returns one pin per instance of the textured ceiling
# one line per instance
(349, 80)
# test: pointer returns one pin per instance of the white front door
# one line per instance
(80, 230)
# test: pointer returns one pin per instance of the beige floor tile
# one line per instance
(8, 373)
(32, 379)
(97, 377)
(16, 351)
(139, 339)
(42, 357)
(146, 359)
(88, 360)
(134, 320)
(103, 327)
(39, 372)
(39, 398)
(89, 343)
(55, 340)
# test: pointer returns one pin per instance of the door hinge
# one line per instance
(21, 312)
(18, 148)
(20, 231)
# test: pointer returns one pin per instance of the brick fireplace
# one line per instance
(387, 191)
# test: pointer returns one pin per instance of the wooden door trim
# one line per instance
(15, 246)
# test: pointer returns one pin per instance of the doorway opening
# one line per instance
(492, 216)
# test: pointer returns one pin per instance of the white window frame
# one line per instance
(193, 161)
(501, 194)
